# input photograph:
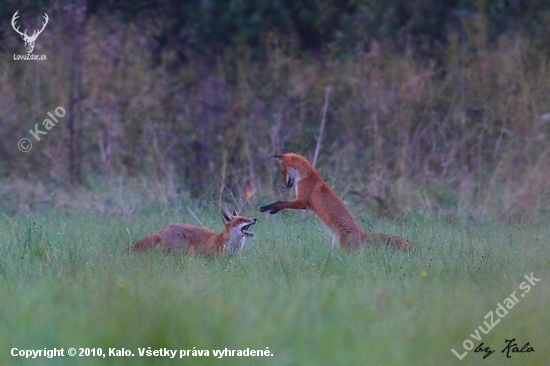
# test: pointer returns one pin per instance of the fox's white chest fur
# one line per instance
(235, 245)
(292, 174)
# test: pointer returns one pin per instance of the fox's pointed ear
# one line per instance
(226, 216)
(278, 157)
(235, 213)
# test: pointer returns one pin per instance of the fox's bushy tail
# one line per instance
(392, 241)
(146, 243)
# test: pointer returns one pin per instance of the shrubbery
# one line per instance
(433, 104)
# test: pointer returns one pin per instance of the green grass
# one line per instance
(65, 282)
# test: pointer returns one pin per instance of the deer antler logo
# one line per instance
(29, 41)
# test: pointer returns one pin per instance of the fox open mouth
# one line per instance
(289, 182)
(245, 231)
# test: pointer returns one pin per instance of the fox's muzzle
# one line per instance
(289, 182)
(245, 228)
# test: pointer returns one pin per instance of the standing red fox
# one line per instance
(313, 193)
(189, 239)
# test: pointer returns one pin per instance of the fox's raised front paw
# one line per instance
(270, 208)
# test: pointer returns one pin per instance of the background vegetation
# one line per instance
(437, 129)
(433, 105)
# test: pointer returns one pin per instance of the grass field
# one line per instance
(65, 282)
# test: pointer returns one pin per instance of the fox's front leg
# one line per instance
(281, 205)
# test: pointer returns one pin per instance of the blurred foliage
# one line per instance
(208, 27)
(451, 95)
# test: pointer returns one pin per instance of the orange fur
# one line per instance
(189, 239)
(312, 192)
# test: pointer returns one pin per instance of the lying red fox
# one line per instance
(313, 193)
(189, 239)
